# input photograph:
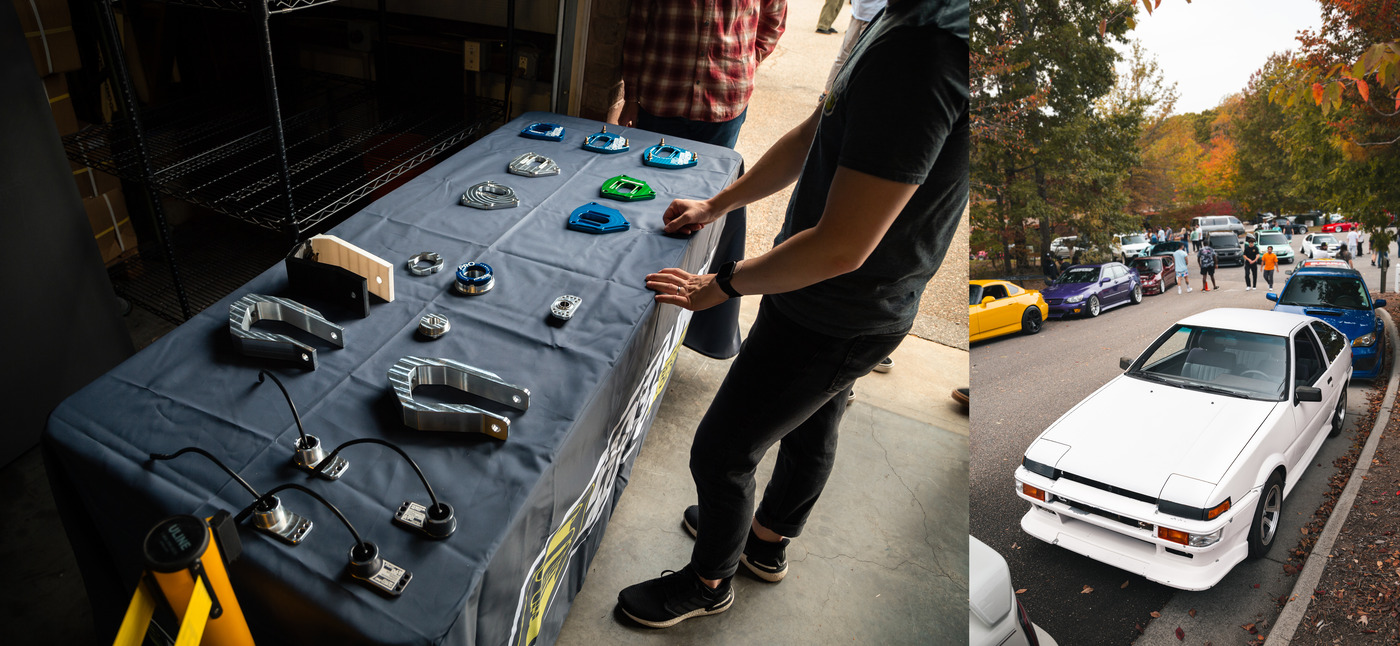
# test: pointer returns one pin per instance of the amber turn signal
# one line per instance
(1173, 535)
(1218, 509)
(1038, 494)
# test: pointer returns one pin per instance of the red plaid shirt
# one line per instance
(696, 58)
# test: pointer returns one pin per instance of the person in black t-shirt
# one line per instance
(1251, 263)
(881, 173)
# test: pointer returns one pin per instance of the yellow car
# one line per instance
(996, 307)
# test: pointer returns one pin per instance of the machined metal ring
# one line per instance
(490, 195)
(474, 278)
(433, 259)
(433, 326)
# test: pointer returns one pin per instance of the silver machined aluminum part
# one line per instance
(281, 524)
(433, 259)
(490, 195)
(411, 372)
(533, 165)
(564, 307)
(433, 325)
(250, 309)
(311, 455)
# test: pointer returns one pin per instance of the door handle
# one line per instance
(1329, 380)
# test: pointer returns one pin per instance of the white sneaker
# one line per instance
(1188, 289)
(1178, 289)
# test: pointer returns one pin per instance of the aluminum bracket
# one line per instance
(490, 195)
(596, 218)
(664, 155)
(626, 189)
(411, 372)
(532, 165)
(605, 142)
(545, 131)
(250, 309)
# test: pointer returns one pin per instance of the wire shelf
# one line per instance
(273, 6)
(342, 145)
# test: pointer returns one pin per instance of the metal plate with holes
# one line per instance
(605, 142)
(490, 195)
(664, 155)
(390, 579)
(532, 165)
(250, 309)
(626, 189)
(411, 372)
(564, 307)
(282, 525)
(433, 326)
(310, 459)
(596, 218)
(544, 131)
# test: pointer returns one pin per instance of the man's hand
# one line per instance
(688, 216)
(628, 117)
(679, 287)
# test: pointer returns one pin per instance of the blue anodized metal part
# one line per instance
(545, 131)
(664, 155)
(596, 218)
(605, 142)
(474, 278)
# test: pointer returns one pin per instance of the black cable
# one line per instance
(325, 462)
(221, 465)
(359, 543)
(295, 415)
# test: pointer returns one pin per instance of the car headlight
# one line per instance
(1364, 341)
(1074, 299)
(1039, 468)
(1194, 540)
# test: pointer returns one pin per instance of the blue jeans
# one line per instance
(788, 385)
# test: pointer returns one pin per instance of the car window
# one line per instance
(1326, 290)
(1117, 272)
(1169, 262)
(1274, 239)
(1012, 290)
(1308, 364)
(995, 291)
(974, 294)
(1228, 362)
(1333, 342)
(1079, 275)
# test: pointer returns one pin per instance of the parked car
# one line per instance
(1333, 292)
(1181, 498)
(1156, 272)
(1282, 248)
(1213, 223)
(1288, 222)
(1064, 247)
(1227, 248)
(997, 617)
(1339, 227)
(1166, 248)
(1313, 242)
(996, 307)
(1130, 245)
(1090, 289)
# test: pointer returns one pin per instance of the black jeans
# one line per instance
(1251, 274)
(787, 385)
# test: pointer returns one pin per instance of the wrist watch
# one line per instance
(726, 273)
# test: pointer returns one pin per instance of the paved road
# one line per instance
(1023, 384)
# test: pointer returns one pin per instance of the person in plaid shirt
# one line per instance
(688, 71)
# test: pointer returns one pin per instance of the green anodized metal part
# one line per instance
(627, 189)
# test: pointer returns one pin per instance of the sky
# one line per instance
(1209, 48)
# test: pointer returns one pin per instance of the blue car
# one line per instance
(1335, 293)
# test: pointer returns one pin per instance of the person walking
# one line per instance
(828, 16)
(1270, 261)
(1251, 263)
(1344, 253)
(868, 224)
(1353, 242)
(1196, 239)
(1205, 258)
(862, 12)
(1183, 274)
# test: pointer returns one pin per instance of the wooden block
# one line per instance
(378, 273)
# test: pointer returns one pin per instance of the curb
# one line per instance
(1292, 616)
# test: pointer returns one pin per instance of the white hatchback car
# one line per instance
(1312, 245)
(1242, 400)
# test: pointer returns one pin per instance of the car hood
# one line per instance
(1068, 289)
(1135, 434)
(1353, 323)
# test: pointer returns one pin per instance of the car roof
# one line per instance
(985, 282)
(1327, 270)
(1261, 321)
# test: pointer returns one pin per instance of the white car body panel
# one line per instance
(1312, 251)
(992, 601)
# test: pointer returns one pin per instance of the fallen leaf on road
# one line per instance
(1256, 585)
(1156, 614)
(1249, 628)
(1020, 591)
(1192, 612)
(1364, 620)
(1180, 634)
(1289, 570)
(1086, 590)
(1125, 584)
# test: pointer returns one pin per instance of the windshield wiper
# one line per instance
(1195, 385)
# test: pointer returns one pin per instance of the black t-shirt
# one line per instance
(897, 110)
(1251, 252)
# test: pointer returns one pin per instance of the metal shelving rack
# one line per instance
(339, 143)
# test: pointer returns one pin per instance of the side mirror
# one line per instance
(1125, 362)
(1378, 303)
(1272, 296)
(1308, 394)
(987, 299)
(1104, 281)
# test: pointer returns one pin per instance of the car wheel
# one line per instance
(1137, 294)
(1339, 417)
(1093, 308)
(1267, 515)
(1030, 320)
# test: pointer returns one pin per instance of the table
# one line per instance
(531, 510)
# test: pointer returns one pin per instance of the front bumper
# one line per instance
(1365, 362)
(1061, 310)
(1108, 528)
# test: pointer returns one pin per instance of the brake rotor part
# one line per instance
(411, 372)
(433, 260)
(433, 326)
(564, 307)
(474, 278)
(545, 131)
(596, 218)
(627, 189)
(664, 155)
(250, 309)
(605, 142)
(533, 165)
(490, 195)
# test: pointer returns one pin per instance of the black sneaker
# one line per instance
(767, 561)
(674, 597)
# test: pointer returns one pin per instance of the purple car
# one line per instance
(1090, 289)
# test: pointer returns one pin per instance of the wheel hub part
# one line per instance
(410, 372)
(433, 260)
(250, 309)
(605, 142)
(490, 195)
(545, 131)
(533, 165)
(474, 278)
(564, 307)
(626, 189)
(596, 218)
(309, 455)
(274, 519)
(433, 326)
(664, 155)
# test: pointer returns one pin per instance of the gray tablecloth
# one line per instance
(532, 509)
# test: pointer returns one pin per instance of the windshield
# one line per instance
(1134, 239)
(974, 296)
(1344, 292)
(1227, 362)
(1224, 242)
(1149, 265)
(1078, 275)
(1319, 239)
(1274, 239)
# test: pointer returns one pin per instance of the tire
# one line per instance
(1339, 416)
(1092, 309)
(1137, 294)
(1031, 321)
(1267, 516)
